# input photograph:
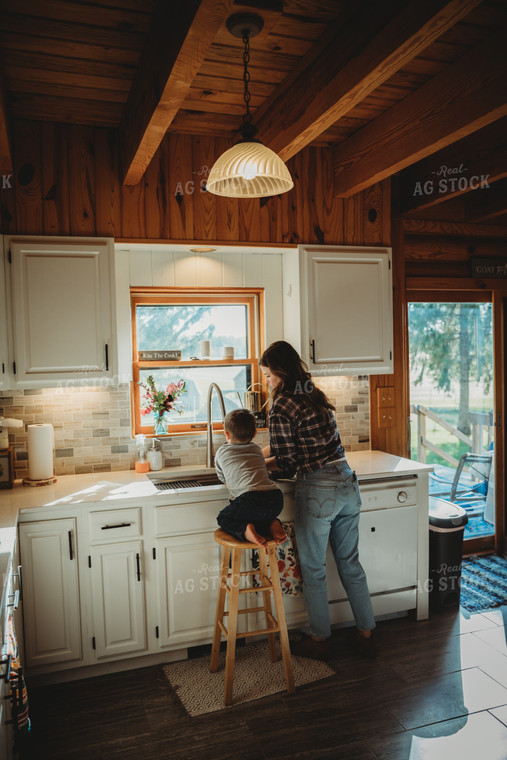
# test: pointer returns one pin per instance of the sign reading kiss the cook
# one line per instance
(157, 356)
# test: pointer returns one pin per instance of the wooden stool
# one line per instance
(229, 584)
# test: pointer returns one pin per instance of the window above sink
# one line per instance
(170, 329)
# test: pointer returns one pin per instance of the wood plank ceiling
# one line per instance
(402, 86)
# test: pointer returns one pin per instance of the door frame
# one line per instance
(494, 292)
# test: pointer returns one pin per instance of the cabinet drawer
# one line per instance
(115, 523)
(188, 518)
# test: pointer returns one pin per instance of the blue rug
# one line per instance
(477, 526)
(483, 583)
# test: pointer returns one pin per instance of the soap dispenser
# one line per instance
(155, 455)
(141, 464)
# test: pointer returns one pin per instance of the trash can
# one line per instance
(446, 524)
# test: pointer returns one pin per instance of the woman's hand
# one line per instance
(266, 451)
(271, 464)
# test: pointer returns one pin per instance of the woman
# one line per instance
(304, 439)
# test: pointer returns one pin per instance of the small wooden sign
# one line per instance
(489, 267)
(159, 356)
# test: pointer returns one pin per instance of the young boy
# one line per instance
(256, 501)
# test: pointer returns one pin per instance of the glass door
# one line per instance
(452, 404)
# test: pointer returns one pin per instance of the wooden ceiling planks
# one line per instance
(353, 63)
(74, 61)
(482, 154)
(165, 74)
(463, 98)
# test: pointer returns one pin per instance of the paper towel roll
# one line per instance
(40, 451)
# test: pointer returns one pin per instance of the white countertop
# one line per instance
(108, 489)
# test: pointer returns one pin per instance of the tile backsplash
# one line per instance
(93, 433)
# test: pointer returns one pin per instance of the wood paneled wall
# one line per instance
(66, 182)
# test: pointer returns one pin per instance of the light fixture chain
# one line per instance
(246, 75)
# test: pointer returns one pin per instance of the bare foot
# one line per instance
(254, 537)
(278, 532)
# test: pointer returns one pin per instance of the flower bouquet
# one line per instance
(160, 402)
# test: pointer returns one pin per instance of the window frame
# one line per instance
(252, 298)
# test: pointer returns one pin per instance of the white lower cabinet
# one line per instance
(51, 604)
(118, 607)
(147, 579)
(187, 576)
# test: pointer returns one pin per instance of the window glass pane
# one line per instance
(232, 380)
(183, 326)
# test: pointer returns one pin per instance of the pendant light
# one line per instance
(248, 169)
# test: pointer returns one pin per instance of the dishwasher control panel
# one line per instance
(391, 492)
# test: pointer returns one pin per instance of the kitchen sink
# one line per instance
(191, 481)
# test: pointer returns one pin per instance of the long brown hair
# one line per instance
(285, 362)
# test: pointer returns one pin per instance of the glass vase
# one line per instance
(159, 423)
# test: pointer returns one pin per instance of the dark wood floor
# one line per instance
(438, 690)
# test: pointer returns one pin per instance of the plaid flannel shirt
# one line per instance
(300, 440)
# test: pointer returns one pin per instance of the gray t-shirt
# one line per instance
(242, 467)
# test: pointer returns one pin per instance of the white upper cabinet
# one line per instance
(5, 363)
(62, 305)
(338, 309)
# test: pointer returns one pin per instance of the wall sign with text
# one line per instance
(489, 267)
(159, 356)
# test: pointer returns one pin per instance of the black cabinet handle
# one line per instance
(20, 582)
(15, 603)
(312, 343)
(107, 357)
(138, 563)
(6, 676)
(118, 525)
(71, 553)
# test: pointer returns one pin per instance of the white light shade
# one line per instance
(249, 170)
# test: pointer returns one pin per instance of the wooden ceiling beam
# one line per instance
(466, 96)
(347, 64)
(180, 35)
(487, 203)
(448, 173)
(5, 141)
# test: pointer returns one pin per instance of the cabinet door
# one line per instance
(119, 612)
(187, 572)
(50, 591)
(387, 552)
(5, 363)
(346, 310)
(62, 304)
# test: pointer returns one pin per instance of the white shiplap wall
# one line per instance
(164, 266)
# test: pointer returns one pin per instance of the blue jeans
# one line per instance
(257, 507)
(327, 508)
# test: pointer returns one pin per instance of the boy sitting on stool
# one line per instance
(256, 500)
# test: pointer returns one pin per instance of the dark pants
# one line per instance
(257, 507)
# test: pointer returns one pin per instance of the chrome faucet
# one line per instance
(209, 425)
